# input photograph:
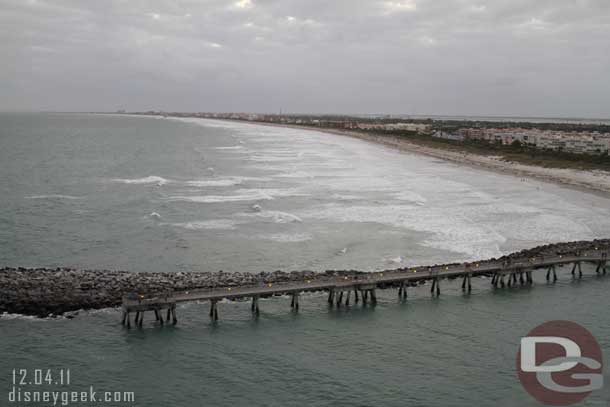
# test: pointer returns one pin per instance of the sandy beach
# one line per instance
(590, 180)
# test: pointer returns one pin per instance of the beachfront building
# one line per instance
(572, 142)
(414, 127)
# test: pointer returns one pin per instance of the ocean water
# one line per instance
(152, 194)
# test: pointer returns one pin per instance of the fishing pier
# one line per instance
(346, 290)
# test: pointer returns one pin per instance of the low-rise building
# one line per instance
(573, 142)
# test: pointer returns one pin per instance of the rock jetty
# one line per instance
(45, 292)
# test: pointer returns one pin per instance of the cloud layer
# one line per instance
(501, 57)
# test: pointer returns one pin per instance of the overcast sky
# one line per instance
(452, 57)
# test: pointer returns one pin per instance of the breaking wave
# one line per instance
(223, 182)
(275, 216)
(227, 182)
(288, 237)
(240, 195)
(153, 179)
(218, 224)
(255, 195)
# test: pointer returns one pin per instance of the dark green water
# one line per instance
(80, 190)
(453, 351)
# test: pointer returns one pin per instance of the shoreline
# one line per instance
(50, 292)
(592, 181)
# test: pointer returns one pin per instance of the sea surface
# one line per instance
(154, 194)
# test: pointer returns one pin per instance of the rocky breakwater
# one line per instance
(47, 292)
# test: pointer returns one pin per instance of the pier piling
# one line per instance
(254, 308)
(373, 296)
(294, 303)
(213, 311)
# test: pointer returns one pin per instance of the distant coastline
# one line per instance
(597, 181)
(589, 180)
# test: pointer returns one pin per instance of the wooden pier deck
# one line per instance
(363, 286)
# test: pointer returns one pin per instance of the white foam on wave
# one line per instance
(262, 194)
(395, 260)
(451, 232)
(544, 227)
(9, 316)
(343, 197)
(55, 196)
(101, 311)
(152, 179)
(224, 182)
(410, 196)
(351, 183)
(214, 224)
(274, 216)
(287, 237)
(221, 198)
(296, 174)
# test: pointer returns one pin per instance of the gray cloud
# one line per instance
(501, 57)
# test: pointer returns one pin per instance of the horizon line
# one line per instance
(400, 115)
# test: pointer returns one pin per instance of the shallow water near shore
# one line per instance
(148, 194)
